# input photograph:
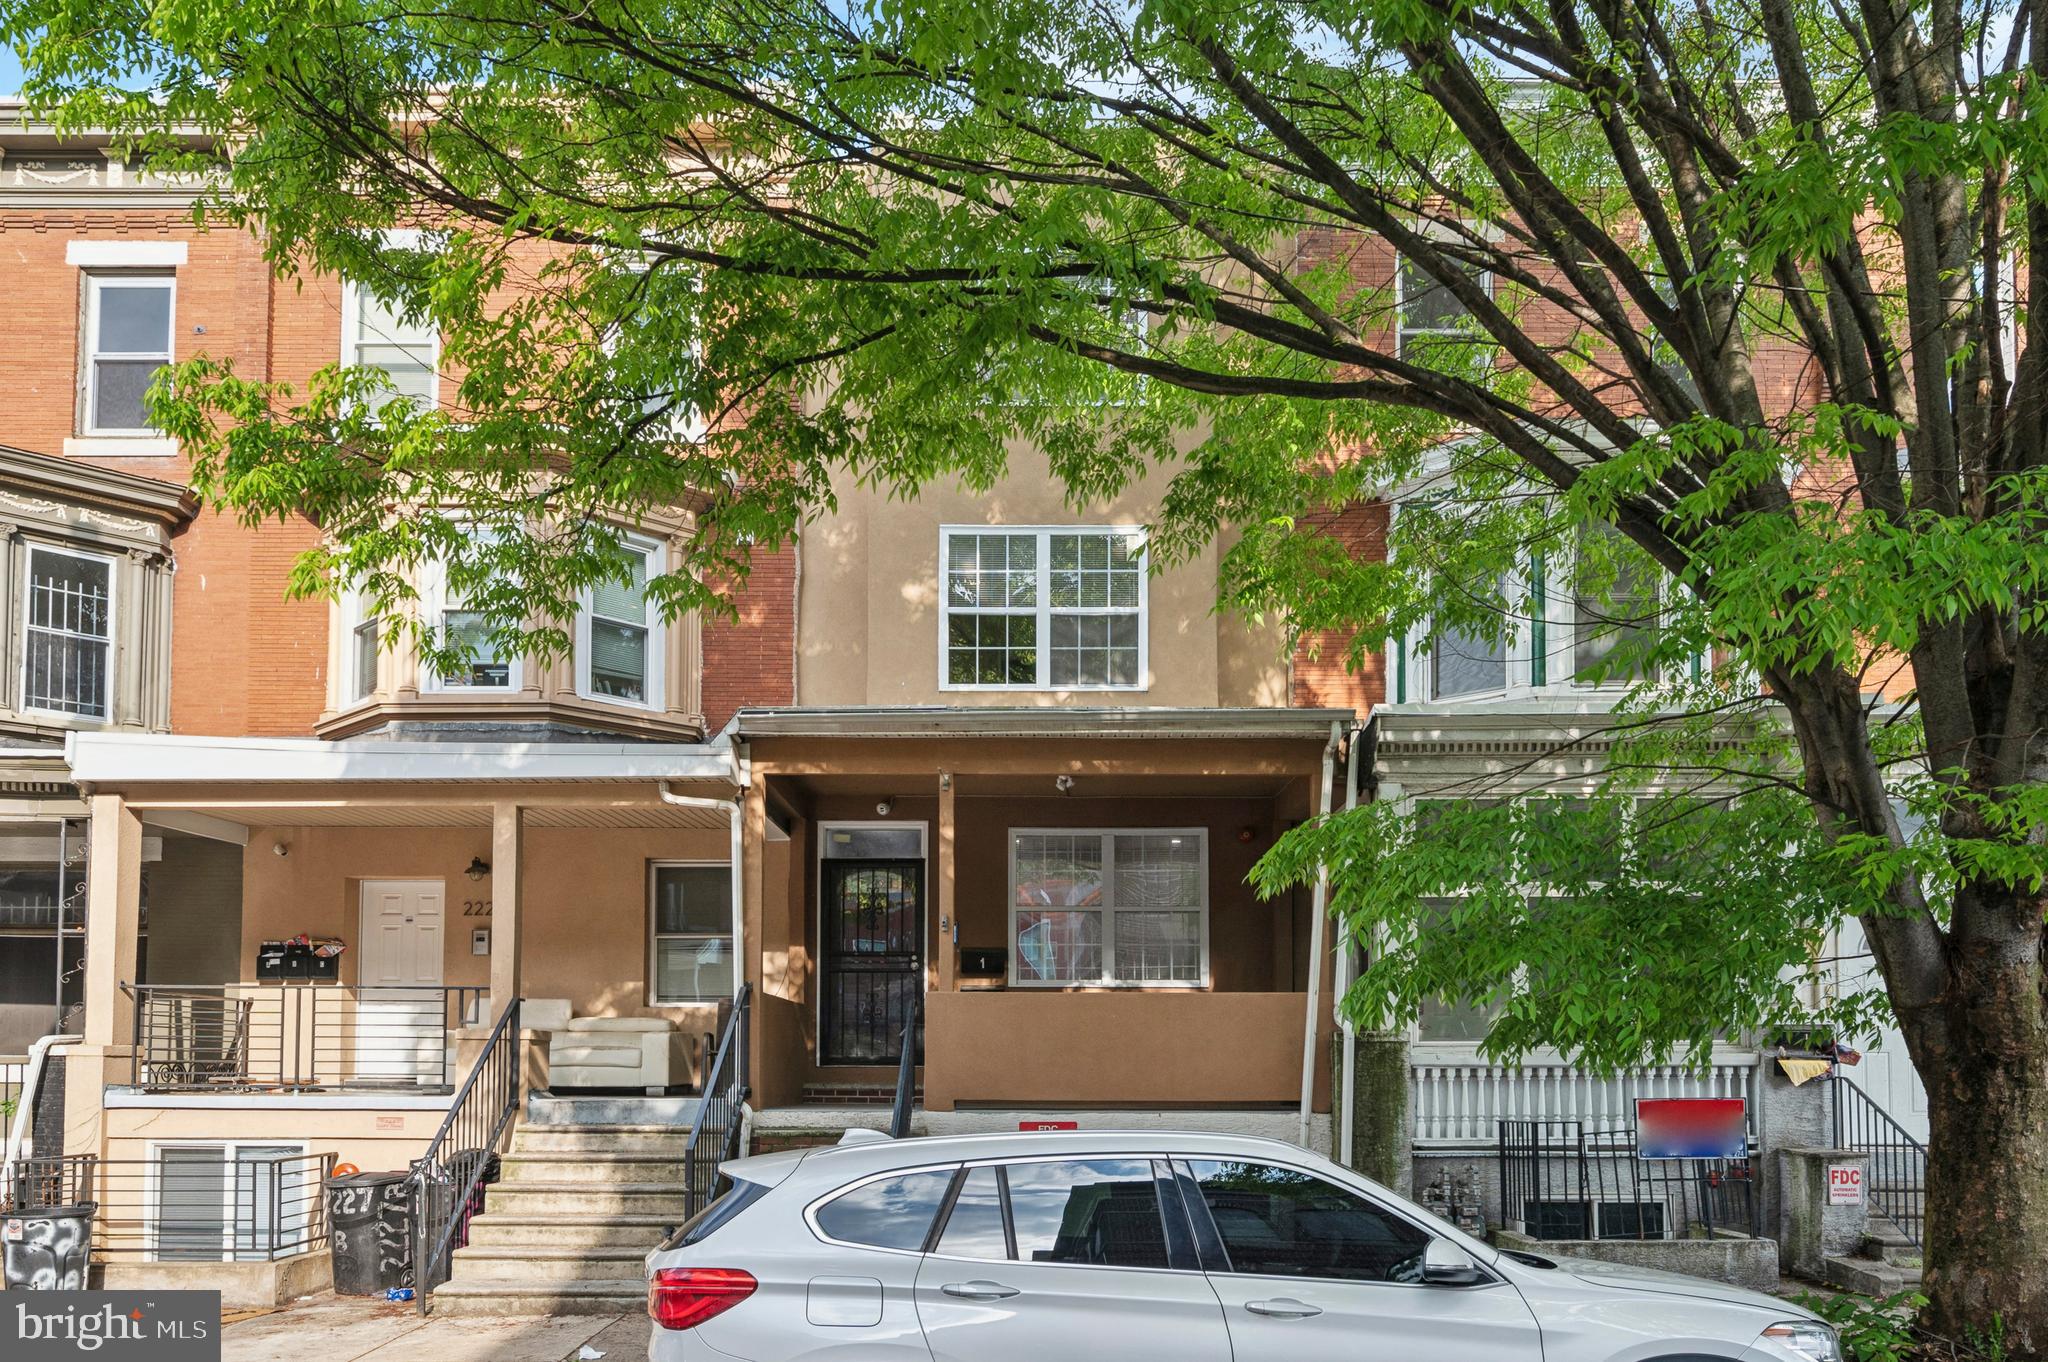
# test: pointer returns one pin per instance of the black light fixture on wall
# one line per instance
(478, 868)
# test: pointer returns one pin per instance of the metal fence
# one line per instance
(295, 1036)
(448, 1180)
(1559, 1180)
(1898, 1162)
(211, 1203)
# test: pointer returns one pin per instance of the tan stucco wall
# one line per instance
(585, 913)
(869, 610)
(1123, 1049)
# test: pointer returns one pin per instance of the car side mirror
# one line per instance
(1445, 1264)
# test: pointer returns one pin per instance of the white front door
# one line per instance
(399, 1034)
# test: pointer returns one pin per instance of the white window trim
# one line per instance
(654, 936)
(355, 607)
(1108, 909)
(434, 594)
(352, 338)
(94, 283)
(131, 255)
(1401, 328)
(1044, 606)
(230, 1148)
(686, 425)
(651, 551)
(112, 640)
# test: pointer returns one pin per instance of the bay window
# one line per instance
(1124, 907)
(68, 633)
(618, 635)
(486, 666)
(127, 339)
(691, 932)
(1614, 628)
(1043, 608)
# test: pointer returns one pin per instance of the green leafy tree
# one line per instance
(1745, 279)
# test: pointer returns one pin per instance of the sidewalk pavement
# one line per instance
(355, 1329)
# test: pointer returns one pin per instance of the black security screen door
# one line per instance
(873, 925)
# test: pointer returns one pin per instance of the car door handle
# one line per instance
(1283, 1307)
(979, 1291)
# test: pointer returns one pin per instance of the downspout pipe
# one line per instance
(21, 1134)
(1346, 957)
(1316, 937)
(734, 810)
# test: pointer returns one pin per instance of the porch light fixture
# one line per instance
(882, 809)
(1064, 784)
(280, 848)
(478, 868)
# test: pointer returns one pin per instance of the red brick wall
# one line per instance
(243, 659)
(750, 659)
(1322, 676)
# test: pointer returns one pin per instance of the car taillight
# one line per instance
(684, 1297)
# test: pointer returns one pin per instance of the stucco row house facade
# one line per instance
(855, 795)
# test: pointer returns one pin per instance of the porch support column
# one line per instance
(508, 844)
(113, 924)
(942, 870)
(113, 921)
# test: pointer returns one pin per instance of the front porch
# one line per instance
(1059, 896)
(455, 878)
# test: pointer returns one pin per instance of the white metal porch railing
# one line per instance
(1457, 1101)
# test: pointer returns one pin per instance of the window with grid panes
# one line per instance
(1124, 907)
(1043, 608)
(68, 638)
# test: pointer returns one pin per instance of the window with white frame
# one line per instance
(127, 339)
(1128, 906)
(1427, 310)
(68, 633)
(1044, 608)
(231, 1202)
(487, 667)
(1463, 661)
(691, 933)
(1614, 626)
(376, 334)
(362, 645)
(618, 636)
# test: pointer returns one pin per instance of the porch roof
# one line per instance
(124, 759)
(1067, 722)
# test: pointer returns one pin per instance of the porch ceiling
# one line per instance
(1039, 784)
(314, 815)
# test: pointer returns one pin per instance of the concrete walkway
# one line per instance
(354, 1329)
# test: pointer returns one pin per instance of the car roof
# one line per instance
(849, 1161)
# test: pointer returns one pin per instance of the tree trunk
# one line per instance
(1984, 1060)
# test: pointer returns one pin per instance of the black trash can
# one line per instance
(47, 1249)
(369, 1222)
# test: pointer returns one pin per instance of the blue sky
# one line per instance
(10, 71)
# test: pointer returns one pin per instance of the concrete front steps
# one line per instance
(565, 1228)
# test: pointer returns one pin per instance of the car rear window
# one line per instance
(723, 1211)
(892, 1213)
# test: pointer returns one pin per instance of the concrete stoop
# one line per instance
(574, 1212)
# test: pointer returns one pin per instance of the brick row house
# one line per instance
(865, 798)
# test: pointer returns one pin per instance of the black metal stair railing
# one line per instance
(1898, 1162)
(447, 1181)
(715, 1131)
(906, 1073)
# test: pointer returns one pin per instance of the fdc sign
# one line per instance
(1845, 1184)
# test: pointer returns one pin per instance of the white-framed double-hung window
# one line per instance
(67, 663)
(619, 633)
(228, 1201)
(487, 666)
(1039, 608)
(691, 932)
(1125, 906)
(377, 334)
(127, 339)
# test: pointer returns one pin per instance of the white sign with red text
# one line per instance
(1845, 1184)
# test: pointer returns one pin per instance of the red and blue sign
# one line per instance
(1692, 1128)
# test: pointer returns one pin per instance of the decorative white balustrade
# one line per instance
(1457, 1101)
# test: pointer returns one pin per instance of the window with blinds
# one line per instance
(67, 649)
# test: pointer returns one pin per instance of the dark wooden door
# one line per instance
(873, 959)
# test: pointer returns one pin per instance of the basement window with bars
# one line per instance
(68, 643)
(1043, 608)
(1128, 907)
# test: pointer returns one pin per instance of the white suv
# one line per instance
(1149, 1247)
